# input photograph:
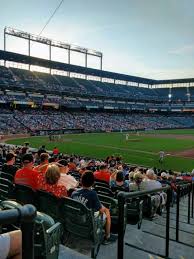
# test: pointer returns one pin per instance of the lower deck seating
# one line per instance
(47, 233)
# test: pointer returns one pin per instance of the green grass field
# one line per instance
(141, 150)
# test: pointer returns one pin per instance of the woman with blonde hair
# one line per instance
(50, 181)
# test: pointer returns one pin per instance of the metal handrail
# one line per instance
(122, 196)
(26, 216)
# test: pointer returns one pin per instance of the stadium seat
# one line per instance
(112, 205)
(104, 190)
(47, 233)
(49, 204)
(101, 183)
(80, 221)
(6, 189)
(47, 237)
(135, 211)
(6, 176)
(25, 195)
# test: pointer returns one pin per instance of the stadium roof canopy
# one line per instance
(19, 58)
(25, 59)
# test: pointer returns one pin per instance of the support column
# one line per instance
(29, 50)
(4, 44)
(69, 59)
(86, 62)
(50, 55)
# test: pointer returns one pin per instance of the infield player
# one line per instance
(127, 137)
(161, 156)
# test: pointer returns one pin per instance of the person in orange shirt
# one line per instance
(55, 151)
(103, 174)
(26, 175)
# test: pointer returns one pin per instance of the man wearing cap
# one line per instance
(26, 175)
(9, 167)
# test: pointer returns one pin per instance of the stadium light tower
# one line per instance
(51, 43)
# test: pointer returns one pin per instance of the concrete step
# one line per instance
(67, 253)
(158, 230)
(156, 245)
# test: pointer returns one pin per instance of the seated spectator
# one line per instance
(72, 165)
(90, 199)
(136, 184)
(150, 181)
(44, 161)
(66, 180)
(118, 182)
(9, 167)
(164, 179)
(27, 175)
(41, 150)
(103, 174)
(11, 245)
(50, 182)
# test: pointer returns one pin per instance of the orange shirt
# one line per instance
(72, 166)
(103, 176)
(26, 176)
(55, 151)
(41, 168)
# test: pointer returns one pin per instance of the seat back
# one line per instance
(49, 204)
(47, 236)
(25, 194)
(78, 219)
(104, 191)
(101, 183)
(112, 205)
(7, 176)
(6, 189)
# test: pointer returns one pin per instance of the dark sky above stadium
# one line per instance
(150, 38)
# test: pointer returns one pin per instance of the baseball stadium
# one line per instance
(94, 163)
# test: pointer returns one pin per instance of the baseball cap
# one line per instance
(9, 156)
(27, 158)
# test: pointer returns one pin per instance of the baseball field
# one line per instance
(140, 149)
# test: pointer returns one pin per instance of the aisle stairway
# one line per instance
(149, 241)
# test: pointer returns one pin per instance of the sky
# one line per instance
(147, 38)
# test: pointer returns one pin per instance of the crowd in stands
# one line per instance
(74, 176)
(16, 121)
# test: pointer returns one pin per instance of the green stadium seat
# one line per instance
(135, 211)
(6, 189)
(81, 222)
(47, 237)
(104, 190)
(112, 205)
(49, 204)
(7, 176)
(25, 195)
(47, 233)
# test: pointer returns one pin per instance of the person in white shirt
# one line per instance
(127, 137)
(161, 156)
(149, 183)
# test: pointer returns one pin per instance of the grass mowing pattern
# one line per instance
(141, 150)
